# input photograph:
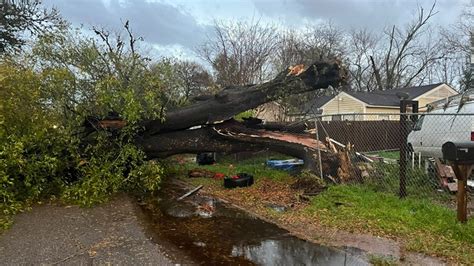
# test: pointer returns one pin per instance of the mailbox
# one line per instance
(460, 152)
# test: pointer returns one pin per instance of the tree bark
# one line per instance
(232, 136)
(218, 132)
(236, 99)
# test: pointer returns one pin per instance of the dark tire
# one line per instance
(205, 158)
(244, 180)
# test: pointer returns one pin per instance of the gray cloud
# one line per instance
(156, 22)
(371, 14)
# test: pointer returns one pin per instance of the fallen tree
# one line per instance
(236, 99)
(214, 130)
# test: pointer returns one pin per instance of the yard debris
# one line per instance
(219, 176)
(198, 172)
(348, 170)
(446, 176)
(309, 183)
(239, 180)
(332, 142)
(276, 207)
(206, 209)
(285, 164)
(205, 158)
(190, 192)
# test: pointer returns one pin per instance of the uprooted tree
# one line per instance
(207, 124)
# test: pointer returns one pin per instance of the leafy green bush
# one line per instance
(43, 147)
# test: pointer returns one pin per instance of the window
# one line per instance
(419, 123)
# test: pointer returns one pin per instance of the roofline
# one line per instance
(321, 107)
(441, 84)
(342, 92)
(386, 106)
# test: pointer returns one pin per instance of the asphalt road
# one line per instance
(112, 233)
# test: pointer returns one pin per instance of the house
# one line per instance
(271, 112)
(380, 104)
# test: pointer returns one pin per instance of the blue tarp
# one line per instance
(285, 164)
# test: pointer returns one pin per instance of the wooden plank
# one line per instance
(190, 192)
(344, 146)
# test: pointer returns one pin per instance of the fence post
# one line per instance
(319, 149)
(404, 145)
(403, 149)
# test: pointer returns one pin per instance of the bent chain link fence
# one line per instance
(379, 151)
(377, 146)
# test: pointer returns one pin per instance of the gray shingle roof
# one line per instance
(389, 97)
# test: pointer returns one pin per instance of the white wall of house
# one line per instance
(443, 91)
(340, 104)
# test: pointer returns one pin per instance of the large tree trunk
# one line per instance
(233, 100)
(232, 136)
(220, 133)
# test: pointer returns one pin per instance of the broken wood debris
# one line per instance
(190, 192)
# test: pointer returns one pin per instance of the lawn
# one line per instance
(395, 155)
(423, 226)
(418, 222)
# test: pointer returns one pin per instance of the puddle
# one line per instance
(209, 232)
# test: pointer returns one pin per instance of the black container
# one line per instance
(244, 180)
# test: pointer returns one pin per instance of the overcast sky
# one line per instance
(176, 27)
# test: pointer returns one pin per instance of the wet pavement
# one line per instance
(163, 231)
(111, 233)
(210, 232)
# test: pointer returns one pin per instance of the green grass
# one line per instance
(423, 225)
(395, 155)
(386, 178)
(382, 261)
(254, 166)
(418, 221)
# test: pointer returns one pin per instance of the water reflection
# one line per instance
(212, 233)
(293, 251)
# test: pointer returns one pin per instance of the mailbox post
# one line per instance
(461, 157)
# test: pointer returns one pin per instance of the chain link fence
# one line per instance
(381, 152)
(401, 157)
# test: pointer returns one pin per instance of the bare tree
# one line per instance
(315, 42)
(401, 57)
(289, 50)
(362, 45)
(458, 40)
(239, 52)
(324, 40)
(408, 55)
(193, 78)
